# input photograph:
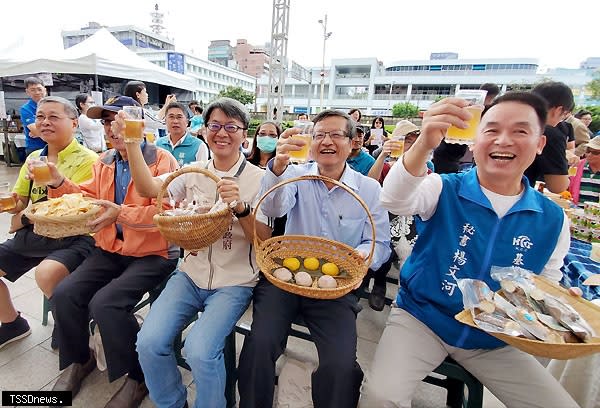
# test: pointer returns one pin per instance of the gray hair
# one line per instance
(232, 109)
(327, 113)
(68, 107)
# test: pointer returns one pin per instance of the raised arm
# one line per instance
(145, 184)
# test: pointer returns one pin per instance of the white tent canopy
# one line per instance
(100, 54)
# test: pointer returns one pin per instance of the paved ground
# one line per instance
(30, 364)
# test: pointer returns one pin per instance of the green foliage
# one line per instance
(405, 110)
(237, 93)
(594, 86)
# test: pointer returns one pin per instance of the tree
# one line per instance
(237, 93)
(594, 86)
(405, 110)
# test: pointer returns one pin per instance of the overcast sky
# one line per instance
(559, 34)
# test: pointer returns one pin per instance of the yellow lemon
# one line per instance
(291, 263)
(330, 269)
(312, 264)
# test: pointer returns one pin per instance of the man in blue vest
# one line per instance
(185, 147)
(34, 88)
(489, 216)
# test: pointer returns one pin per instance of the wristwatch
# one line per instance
(244, 213)
(24, 220)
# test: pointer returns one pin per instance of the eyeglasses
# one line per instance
(593, 152)
(266, 134)
(334, 135)
(51, 118)
(176, 117)
(229, 128)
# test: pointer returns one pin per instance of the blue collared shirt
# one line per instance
(27, 112)
(361, 163)
(313, 209)
(122, 180)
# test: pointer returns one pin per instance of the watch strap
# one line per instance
(244, 213)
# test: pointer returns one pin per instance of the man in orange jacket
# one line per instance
(131, 258)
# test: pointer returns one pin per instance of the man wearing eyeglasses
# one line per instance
(315, 208)
(53, 259)
(217, 279)
(131, 257)
(179, 142)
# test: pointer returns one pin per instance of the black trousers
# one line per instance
(106, 287)
(332, 324)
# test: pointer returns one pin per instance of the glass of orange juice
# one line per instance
(475, 97)
(41, 171)
(134, 124)
(7, 199)
(306, 129)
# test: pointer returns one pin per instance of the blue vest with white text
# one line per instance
(463, 239)
(185, 152)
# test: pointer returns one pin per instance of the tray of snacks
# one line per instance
(64, 216)
(192, 225)
(311, 266)
(532, 314)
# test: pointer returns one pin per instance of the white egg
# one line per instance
(327, 281)
(283, 274)
(303, 279)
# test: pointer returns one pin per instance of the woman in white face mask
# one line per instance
(265, 141)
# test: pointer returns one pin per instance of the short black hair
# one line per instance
(132, 88)
(327, 113)
(538, 104)
(32, 81)
(581, 113)
(351, 111)
(198, 109)
(492, 89)
(232, 108)
(175, 105)
(556, 94)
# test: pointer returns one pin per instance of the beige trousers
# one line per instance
(408, 351)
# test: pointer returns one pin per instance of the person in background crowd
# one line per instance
(359, 160)
(35, 89)
(179, 142)
(460, 214)
(264, 143)
(370, 142)
(53, 259)
(191, 109)
(153, 122)
(355, 114)
(218, 279)
(131, 257)
(314, 208)
(585, 185)
(551, 166)
(196, 122)
(302, 116)
(92, 131)
(581, 127)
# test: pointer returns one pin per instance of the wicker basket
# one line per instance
(566, 351)
(63, 226)
(343, 255)
(191, 232)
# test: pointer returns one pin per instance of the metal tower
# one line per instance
(278, 63)
(157, 21)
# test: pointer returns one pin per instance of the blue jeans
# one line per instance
(179, 301)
